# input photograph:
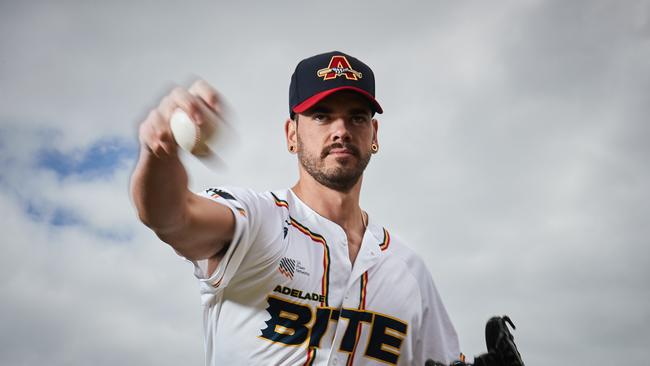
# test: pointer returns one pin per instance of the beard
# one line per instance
(343, 176)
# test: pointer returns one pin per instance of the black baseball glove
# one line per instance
(502, 350)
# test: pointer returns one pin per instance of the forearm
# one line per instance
(159, 190)
(194, 226)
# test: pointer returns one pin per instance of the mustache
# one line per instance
(337, 145)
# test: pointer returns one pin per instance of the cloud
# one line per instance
(513, 157)
(82, 281)
(71, 298)
(77, 187)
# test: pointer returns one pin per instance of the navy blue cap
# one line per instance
(318, 76)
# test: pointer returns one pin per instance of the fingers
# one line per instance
(207, 94)
(181, 98)
(200, 102)
(155, 135)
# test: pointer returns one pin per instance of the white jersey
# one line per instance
(286, 293)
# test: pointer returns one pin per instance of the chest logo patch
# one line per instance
(287, 267)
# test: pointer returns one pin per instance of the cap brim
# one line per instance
(311, 101)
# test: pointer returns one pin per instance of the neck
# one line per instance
(339, 207)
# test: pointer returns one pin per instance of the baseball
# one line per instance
(189, 136)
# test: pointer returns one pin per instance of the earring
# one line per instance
(374, 147)
(292, 149)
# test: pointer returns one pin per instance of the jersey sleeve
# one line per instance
(437, 338)
(257, 226)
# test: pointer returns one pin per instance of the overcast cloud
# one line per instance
(514, 157)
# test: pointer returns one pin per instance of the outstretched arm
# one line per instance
(194, 226)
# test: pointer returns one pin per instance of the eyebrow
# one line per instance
(320, 109)
(327, 110)
(359, 111)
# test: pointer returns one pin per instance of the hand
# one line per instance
(201, 102)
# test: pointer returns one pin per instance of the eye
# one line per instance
(360, 119)
(319, 117)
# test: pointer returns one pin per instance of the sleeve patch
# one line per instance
(215, 192)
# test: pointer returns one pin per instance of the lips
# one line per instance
(340, 150)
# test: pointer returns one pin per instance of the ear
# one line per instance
(290, 132)
(375, 129)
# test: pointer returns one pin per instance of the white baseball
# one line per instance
(189, 136)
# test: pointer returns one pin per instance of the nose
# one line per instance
(340, 130)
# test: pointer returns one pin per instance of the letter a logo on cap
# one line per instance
(339, 66)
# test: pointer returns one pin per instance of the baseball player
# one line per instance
(300, 276)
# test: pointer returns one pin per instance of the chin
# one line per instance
(344, 160)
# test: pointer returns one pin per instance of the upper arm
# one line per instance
(228, 232)
(205, 229)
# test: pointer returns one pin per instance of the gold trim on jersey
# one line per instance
(362, 306)
(311, 356)
(316, 238)
(279, 202)
(386, 242)
(326, 255)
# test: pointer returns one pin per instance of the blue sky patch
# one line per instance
(46, 213)
(101, 159)
(55, 216)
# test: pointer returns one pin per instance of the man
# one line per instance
(300, 276)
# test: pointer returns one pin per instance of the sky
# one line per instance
(513, 158)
